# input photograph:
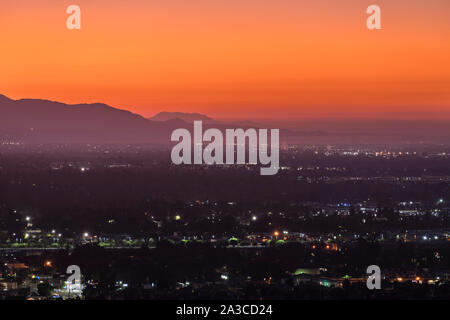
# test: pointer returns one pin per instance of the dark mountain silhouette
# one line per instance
(4, 99)
(43, 121)
(187, 117)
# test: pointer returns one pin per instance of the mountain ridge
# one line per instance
(36, 120)
(44, 121)
(185, 116)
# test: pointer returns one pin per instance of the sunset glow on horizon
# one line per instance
(231, 59)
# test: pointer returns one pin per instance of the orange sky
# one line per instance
(235, 58)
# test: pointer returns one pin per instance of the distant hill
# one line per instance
(43, 121)
(187, 117)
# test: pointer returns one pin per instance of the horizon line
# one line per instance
(347, 115)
